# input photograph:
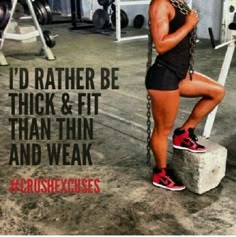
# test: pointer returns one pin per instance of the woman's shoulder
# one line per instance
(161, 7)
(164, 3)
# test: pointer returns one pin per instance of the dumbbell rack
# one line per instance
(19, 37)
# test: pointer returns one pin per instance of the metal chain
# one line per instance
(185, 9)
(181, 5)
(148, 129)
(149, 63)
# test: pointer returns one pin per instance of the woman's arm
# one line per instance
(159, 14)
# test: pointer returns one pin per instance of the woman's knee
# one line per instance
(163, 131)
(219, 93)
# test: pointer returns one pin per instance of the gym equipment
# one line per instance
(124, 20)
(100, 19)
(113, 7)
(48, 10)
(232, 26)
(76, 17)
(58, 17)
(45, 50)
(223, 73)
(49, 38)
(42, 11)
(4, 14)
(138, 21)
(25, 6)
(45, 14)
(105, 3)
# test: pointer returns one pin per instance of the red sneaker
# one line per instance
(187, 140)
(163, 181)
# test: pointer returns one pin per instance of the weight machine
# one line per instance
(223, 73)
(105, 19)
(7, 16)
(118, 24)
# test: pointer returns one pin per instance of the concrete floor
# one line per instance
(128, 203)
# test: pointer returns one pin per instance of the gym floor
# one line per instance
(127, 203)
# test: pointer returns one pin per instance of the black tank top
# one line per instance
(177, 59)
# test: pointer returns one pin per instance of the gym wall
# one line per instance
(210, 12)
(229, 16)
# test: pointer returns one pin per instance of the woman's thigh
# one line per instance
(164, 107)
(200, 86)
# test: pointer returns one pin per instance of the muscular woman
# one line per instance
(168, 79)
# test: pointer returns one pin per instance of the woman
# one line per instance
(168, 79)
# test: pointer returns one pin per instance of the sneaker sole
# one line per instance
(167, 188)
(187, 149)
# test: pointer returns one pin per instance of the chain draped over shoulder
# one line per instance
(184, 9)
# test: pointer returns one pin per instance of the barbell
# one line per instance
(49, 38)
(43, 17)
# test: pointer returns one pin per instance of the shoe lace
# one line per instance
(192, 135)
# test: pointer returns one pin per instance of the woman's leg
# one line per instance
(164, 109)
(212, 93)
(201, 86)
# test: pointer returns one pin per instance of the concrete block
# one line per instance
(201, 172)
(24, 29)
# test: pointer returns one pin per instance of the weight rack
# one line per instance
(19, 37)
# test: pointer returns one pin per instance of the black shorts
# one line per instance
(160, 77)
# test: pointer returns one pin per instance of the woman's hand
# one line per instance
(192, 19)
